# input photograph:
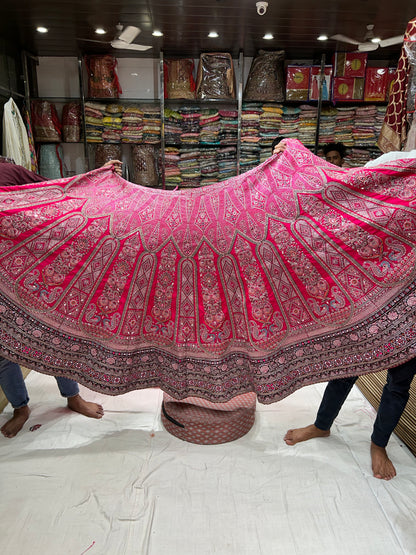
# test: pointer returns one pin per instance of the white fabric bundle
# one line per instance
(15, 140)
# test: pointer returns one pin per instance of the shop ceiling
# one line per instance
(185, 24)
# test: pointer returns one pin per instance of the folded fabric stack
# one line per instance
(190, 125)
(208, 165)
(344, 125)
(249, 156)
(228, 127)
(94, 113)
(290, 122)
(227, 162)
(172, 171)
(327, 125)
(270, 119)
(189, 166)
(173, 127)
(308, 118)
(379, 120)
(357, 157)
(132, 125)
(112, 123)
(151, 123)
(250, 139)
(209, 124)
(364, 132)
(250, 122)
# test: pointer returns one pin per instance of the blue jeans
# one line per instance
(392, 404)
(14, 388)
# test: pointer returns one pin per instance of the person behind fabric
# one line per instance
(392, 404)
(11, 377)
(334, 153)
(275, 142)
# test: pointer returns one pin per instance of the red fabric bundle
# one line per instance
(45, 122)
(71, 122)
(102, 77)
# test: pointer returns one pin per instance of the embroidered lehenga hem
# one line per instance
(292, 273)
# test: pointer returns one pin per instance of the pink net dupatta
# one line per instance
(293, 273)
(394, 131)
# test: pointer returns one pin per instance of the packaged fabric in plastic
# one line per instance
(178, 78)
(266, 81)
(145, 165)
(51, 161)
(410, 47)
(215, 78)
(102, 77)
(45, 122)
(71, 122)
(106, 152)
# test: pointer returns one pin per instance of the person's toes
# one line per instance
(289, 437)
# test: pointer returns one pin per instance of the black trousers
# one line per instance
(392, 404)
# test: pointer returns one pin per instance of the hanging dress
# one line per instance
(15, 138)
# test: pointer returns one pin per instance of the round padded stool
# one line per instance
(199, 421)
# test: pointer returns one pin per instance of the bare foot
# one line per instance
(15, 424)
(303, 434)
(382, 466)
(92, 410)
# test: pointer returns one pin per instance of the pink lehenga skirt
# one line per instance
(292, 273)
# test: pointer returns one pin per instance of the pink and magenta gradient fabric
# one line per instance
(293, 273)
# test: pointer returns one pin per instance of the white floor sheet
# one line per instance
(123, 485)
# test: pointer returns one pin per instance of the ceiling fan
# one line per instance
(123, 39)
(367, 44)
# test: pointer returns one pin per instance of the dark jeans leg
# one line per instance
(334, 396)
(393, 401)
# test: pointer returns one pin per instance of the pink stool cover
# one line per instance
(199, 421)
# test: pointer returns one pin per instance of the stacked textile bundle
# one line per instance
(290, 122)
(208, 164)
(344, 125)
(151, 123)
(173, 127)
(172, 171)
(197, 162)
(307, 124)
(132, 125)
(190, 125)
(227, 162)
(228, 127)
(250, 122)
(250, 128)
(209, 125)
(357, 157)
(379, 120)
(189, 167)
(364, 132)
(270, 119)
(327, 125)
(94, 121)
(112, 123)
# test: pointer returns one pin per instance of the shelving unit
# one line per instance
(249, 150)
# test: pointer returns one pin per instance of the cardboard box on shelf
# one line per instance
(350, 64)
(315, 83)
(348, 88)
(375, 84)
(297, 82)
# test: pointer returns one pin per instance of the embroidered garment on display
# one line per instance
(293, 273)
(15, 138)
(394, 131)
